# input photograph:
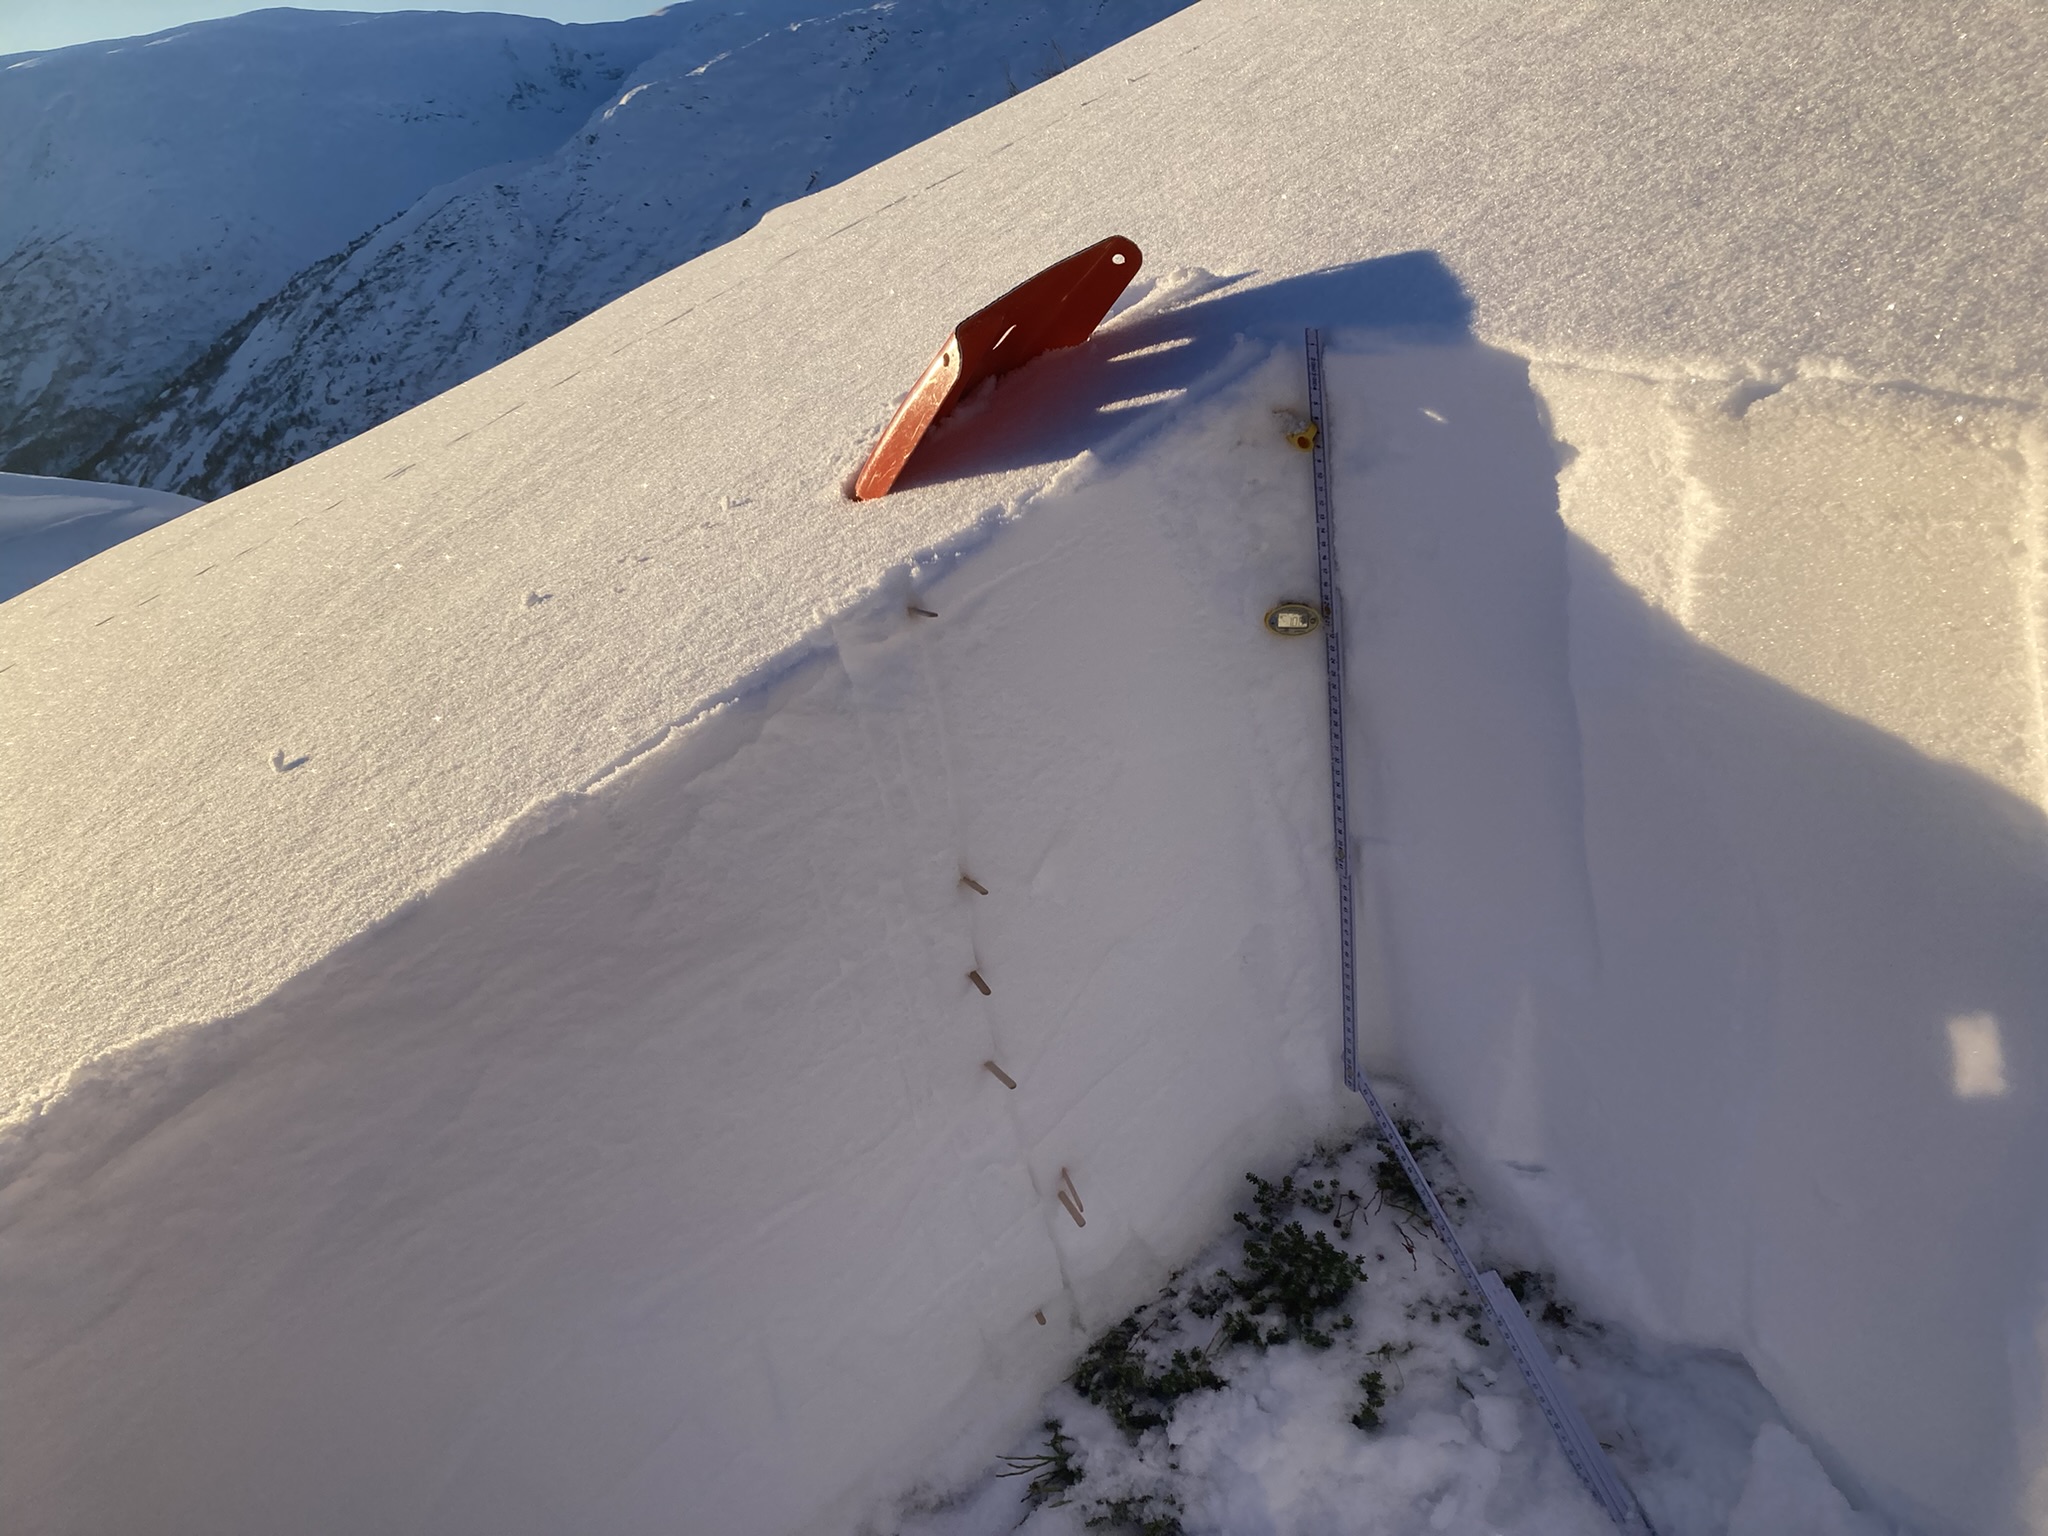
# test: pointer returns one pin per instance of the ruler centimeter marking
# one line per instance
(1333, 665)
(1580, 1445)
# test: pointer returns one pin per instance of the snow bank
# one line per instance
(494, 1139)
(50, 525)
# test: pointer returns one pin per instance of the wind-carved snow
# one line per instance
(655, 141)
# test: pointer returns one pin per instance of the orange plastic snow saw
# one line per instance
(1058, 308)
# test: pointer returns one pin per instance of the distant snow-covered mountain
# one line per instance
(47, 526)
(153, 190)
(291, 226)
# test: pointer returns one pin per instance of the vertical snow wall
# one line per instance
(648, 1171)
(529, 1143)
(654, 1153)
(1716, 870)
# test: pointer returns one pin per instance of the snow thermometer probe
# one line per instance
(1581, 1447)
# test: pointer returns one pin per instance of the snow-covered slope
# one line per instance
(47, 526)
(511, 866)
(292, 225)
(154, 190)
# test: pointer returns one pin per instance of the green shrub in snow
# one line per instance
(1288, 1270)
(1116, 1376)
(1149, 1514)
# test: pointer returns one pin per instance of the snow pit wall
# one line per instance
(1716, 875)
(1727, 1002)
(648, 1165)
(647, 1172)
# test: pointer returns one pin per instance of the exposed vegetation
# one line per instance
(1288, 1270)
(1116, 1376)
(1368, 1415)
(1052, 1472)
(1148, 1514)
(1290, 1280)
(1536, 1294)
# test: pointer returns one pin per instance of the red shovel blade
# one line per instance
(1060, 307)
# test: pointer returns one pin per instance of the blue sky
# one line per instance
(31, 24)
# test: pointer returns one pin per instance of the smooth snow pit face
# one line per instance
(654, 1153)
(1696, 912)
(648, 1168)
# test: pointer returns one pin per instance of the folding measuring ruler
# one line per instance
(1581, 1447)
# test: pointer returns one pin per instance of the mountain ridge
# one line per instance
(153, 190)
(709, 116)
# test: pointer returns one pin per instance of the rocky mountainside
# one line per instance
(152, 191)
(348, 241)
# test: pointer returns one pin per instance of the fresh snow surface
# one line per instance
(485, 976)
(1453, 1442)
(281, 229)
(48, 525)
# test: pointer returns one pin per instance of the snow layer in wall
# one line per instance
(1694, 935)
